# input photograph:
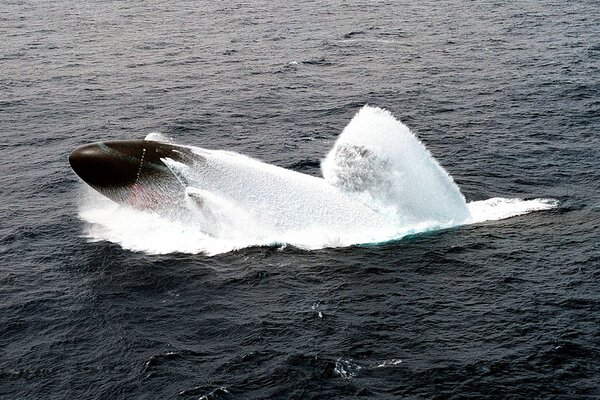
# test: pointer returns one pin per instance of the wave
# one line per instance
(379, 183)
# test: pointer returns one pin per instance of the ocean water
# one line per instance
(505, 96)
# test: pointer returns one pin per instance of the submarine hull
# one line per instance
(132, 172)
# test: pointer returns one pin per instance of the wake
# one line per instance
(380, 183)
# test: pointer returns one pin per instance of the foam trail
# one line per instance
(380, 184)
(498, 208)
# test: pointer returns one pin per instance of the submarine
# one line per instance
(133, 172)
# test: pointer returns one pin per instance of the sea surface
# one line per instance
(505, 96)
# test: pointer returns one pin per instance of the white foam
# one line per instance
(388, 363)
(498, 208)
(158, 137)
(347, 368)
(380, 184)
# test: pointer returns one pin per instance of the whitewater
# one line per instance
(379, 183)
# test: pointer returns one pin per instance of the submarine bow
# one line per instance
(130, 171)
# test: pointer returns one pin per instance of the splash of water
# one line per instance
(380, 159)
(380, 183)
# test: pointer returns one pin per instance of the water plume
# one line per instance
(380, 183)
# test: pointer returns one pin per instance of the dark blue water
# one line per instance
(505, 95)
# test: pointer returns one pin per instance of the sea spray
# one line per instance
(379, 158)
(380, 184)
(257, 199)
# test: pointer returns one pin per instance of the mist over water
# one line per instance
(380, 184)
